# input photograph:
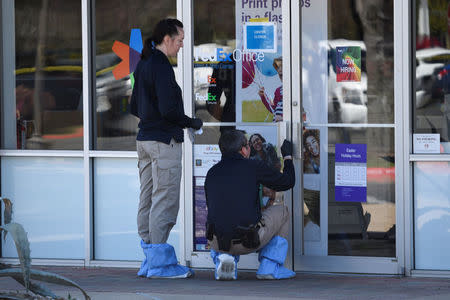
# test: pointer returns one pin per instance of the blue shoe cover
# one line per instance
(226, 265)
(162, 262)
(271, 258)
(144, 266)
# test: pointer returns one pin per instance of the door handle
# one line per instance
(297, 140)
(282, 128)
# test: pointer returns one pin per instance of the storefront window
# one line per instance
(237, 79)
(348, 167)
(431, 106)
(237, 61)
(431, 134)
(214, 81)
(121, 28)
(116, 179)
(361, 225)
(47, 197)
(48, 76)
(432, 215)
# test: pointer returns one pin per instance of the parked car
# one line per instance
(432, 75)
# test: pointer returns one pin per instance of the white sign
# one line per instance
(351, 175)
(427, 143)
(205, 156)
(260, 37)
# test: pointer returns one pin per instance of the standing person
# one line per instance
(157, 102)
(235, 223)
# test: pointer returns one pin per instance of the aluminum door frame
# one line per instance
(354, 264)
(202, 259)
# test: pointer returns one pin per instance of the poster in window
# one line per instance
(348, 64)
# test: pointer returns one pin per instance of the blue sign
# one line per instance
(260, 37)
(351, 173)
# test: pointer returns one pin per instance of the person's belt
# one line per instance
(249, 236)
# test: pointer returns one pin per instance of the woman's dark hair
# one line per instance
(163, 28)
(231, 141)
(252, 150)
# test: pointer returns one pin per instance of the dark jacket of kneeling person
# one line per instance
(232, 191)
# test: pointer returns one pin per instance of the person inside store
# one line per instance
(223, 87)
(266, 152)
(223, 81)
(157, 101)
(311, 163)
(235, 223)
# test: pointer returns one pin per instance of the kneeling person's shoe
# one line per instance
(226, 265)
(271, 258)
(226, 270)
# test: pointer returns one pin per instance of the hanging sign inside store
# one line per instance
(348, 64)
(351, 173)
(205, 156)
(427, 143)
(260, 37)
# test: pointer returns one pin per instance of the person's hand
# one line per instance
(196, 123)
(261, 92)
(286, 148)
(269, 193)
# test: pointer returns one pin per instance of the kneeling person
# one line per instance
(236, 225)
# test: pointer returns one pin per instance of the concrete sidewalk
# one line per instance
(117, 283)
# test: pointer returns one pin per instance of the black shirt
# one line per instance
(232, 195)
(157, 100)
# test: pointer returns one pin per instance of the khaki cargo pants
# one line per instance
(276, 222)
(160, 175)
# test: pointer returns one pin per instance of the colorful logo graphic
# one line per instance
(210, 98)
(212, 80)
(130, 55)
(348, 64)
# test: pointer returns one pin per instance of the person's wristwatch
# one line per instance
(288, 157)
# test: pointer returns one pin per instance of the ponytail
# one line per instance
(163, 28)
(148, 48)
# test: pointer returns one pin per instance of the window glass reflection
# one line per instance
(238, 61)
(432, 215)
(431, 106)
(362, 225)
(214, 92)
(49, 105)
(122, 25)
(352, 43)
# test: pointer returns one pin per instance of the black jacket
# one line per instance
(157, 100)
(232, 195)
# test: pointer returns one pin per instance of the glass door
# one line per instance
(237, 66)
(345, 216)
